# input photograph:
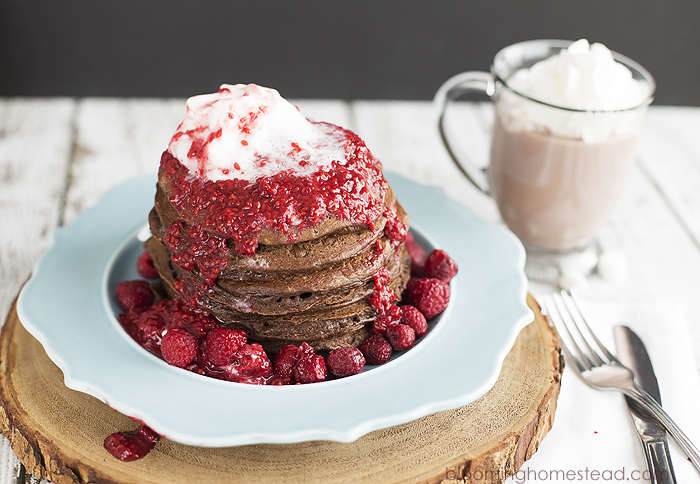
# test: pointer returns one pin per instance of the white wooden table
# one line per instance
(59, 156)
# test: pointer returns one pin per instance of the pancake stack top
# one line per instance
(277, 225)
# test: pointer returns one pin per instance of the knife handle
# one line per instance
(659, 462)
(660, 415)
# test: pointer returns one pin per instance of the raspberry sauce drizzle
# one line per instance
(352, 190)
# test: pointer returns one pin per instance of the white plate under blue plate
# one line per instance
(69, 306)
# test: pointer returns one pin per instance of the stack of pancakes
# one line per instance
(315, 290)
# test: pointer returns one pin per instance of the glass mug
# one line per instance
(554, 191)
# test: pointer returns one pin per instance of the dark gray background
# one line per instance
(320, 49)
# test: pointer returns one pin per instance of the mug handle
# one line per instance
(454, 88)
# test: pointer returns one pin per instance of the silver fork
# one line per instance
(600, 369)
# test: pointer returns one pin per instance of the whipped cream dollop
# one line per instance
(583, 77)
(248, 131)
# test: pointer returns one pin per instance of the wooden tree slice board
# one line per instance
(58, 433)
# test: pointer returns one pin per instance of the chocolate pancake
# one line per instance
(337, 254)
(269, 298)
(336, 245)
(314, 291)
(324, 327)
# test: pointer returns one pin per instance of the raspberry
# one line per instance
(412, 317)
(310, 368)
(250, 365)
(439, 265)
(179, 347)
(400, 336)
(134, 295)
(285, 360)
(222, 344)
(417, 254)
(178, 314)
(144, 264)
(382, 321)
(429, 295)
(129, 446)
(345, 361)
(376, 350)
(148, 434)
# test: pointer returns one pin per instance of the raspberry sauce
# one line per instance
(352, 189)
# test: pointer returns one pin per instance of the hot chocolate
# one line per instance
(563, 145)
(567, 115)
(555, 192)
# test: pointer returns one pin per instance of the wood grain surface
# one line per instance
(58, 156)
(58, 433)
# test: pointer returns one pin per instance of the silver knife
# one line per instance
(632, 353)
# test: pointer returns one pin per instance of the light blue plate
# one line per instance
(69, 306)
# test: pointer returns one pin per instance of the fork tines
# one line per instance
(577, 337)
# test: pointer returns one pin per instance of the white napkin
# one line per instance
(593, 438)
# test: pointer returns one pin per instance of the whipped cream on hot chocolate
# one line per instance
(248, 131)
(582, 77)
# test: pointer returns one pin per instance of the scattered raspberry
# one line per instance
(400, 336)
(412, 317)
(376, 350)
(144, 264)
(429, 295)
(129, 446)
(390, 316)
(147, 433)
(310, 368)
(179, 347)
(439, 265)
(134, 295)
(250, 365)
(222, 344)
(417, 254)
(286, 360)
(345, 361)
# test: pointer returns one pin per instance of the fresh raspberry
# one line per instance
(134, 295)
(286, 360)
(391, 316)
(417, 254)
(250, 365)
(412, 317)
(144, 264)
(409, 287)
(179, 314)
(376, 350)
(310, 368)
(129, 446)
(439, 265)
(345, 361)
(148, 434)
(430, 296)
(149, 330)
(179, 347)
(222, 344)
(277, 380)
(400, 336)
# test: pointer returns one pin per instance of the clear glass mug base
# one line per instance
(548, 265)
